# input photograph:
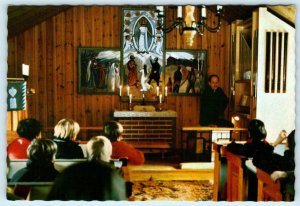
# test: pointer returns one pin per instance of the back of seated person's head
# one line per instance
(42, 150)
(66, 129)
(99, 148)
(291, 141)
(113, 130)
(29, 128)
(257, 130)
(88, 181)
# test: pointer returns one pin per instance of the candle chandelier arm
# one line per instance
(200, 27)
(211, 29)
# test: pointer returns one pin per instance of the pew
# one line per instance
(240, 172)
(236, 177)
(31, 190)
(270, 190)
(59, 164)
(267, 189)
(219, 169)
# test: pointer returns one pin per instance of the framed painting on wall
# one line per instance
(98, 70)
(185, 71)
(142, 54)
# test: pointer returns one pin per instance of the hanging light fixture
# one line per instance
(181, 24)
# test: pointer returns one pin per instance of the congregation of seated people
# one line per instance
(96, 178)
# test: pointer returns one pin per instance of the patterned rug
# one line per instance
(172, 191)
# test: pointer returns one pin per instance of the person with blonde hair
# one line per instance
(99, 148)
(65, 134)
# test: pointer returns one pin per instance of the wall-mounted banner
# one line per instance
(16, 95)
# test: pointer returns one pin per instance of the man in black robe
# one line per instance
(213, 104)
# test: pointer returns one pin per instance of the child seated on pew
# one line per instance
(113, 130)
(28, 129)
(279, 166)
(255, 143)
(65, 134)
(40, 166)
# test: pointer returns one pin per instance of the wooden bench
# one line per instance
(151, 146)
(236, 177)
(59, 164)
(31, 190)
(267, 189)
(219, 170)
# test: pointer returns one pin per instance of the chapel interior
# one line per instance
(250, 47)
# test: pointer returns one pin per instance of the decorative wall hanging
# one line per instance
(16, 95)
(142, 55)
(98, 70)
(185, 71)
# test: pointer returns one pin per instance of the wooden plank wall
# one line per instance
(50, 48)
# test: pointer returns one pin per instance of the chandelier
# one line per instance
(182, 25)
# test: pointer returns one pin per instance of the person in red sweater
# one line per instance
(113, 130)
(28, 129)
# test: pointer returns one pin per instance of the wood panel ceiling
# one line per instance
(23, 17)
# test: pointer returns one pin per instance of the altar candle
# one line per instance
(166, 91)
(120, 88)
(160, 8)
(160, 98)
(157, 91)
(219, 7)
(203, 12)
(179, 12)
(130, 98)
(128, 90)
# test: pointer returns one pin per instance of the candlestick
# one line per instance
(143, 96)
(166, 91)
(160, 98)
(157, 91)
(130, 98)
(120, 88)
(128, 90)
